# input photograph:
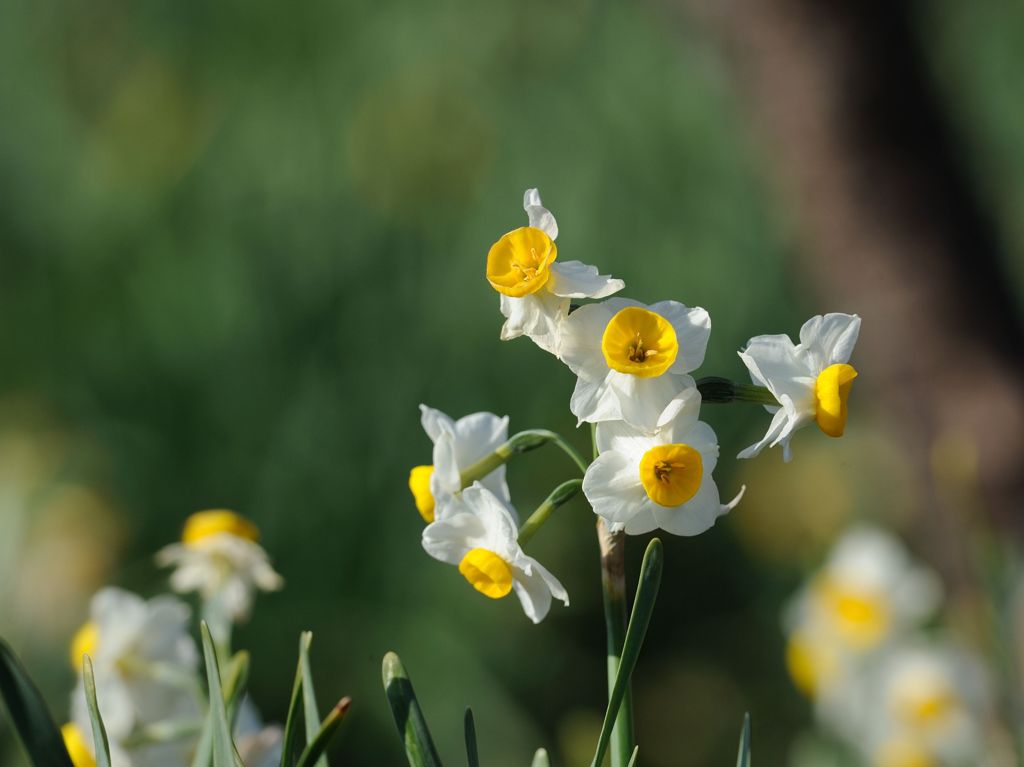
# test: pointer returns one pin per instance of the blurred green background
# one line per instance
(241, 242)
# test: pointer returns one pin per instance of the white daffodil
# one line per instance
(141, 651)
(478, 533)
(219, 556)
(536, 291)
(642, 481)
(920, 702)
(457, 446)
(811, 380)
(631, 359)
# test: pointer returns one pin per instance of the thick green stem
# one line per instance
(560, 495)
(522, 442)
(613, 585)
(715, 390)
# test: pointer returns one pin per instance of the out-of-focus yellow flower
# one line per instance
(78, 748)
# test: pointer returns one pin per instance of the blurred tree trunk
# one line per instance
(889, 225)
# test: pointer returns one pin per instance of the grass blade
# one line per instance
(540, 759)
(309, 708)
(639, 619)
(412, 727)
(224, 754)
(291, 747)
(236, 681)
(472, 756)
(633, 758)
(32, 721)
(743, 757)
(318, 743)
(100, 744)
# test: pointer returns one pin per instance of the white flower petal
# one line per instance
(644, 402)
(435, 423)
(538, 316)
(594, 402)
(580, 344)
(612, 486)
(448, 539)
(574, 279)
(696, 515)
(539, 216)
(693, 329)
(773, 362)
(829, 339)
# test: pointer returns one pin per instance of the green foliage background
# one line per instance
(240, 242)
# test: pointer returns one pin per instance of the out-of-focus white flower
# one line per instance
(135, 647)
(536, 291)
(919, 703)
(219, 556)
(643, 481)
(811, 380)
(258, 744)
(632, 360)
(457, 446)
(478, 534)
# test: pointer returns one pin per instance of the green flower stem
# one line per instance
(613, 585)
(523, 442)
(560, 495)
(715, 390)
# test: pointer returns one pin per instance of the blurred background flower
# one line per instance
(241, 242)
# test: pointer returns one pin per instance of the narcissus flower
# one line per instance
(643, 481)
(631, 359)
(457, 446)
(220, 557)
(78, 746)
(135, 646)
(478, 534)
(811, 380)
(536, 291)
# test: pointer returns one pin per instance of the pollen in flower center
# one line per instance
(831, 390)
(204, 524)
(487, 573)
(639, 342)
(84, 642)
(671, 474)
(517, 264)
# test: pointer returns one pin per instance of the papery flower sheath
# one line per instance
(642, 481)
(811, 380)
(536, 289)
(478, 534)
(457, 446)
(632, 359)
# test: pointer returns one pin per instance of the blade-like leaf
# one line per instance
(224, 754)
(32, 721)
(633, 758)
(309, 708)
(101, 746)
(540, 759)
(318, 743)
(472, 756)
(236, 680)
(412, 727)
(292, 744)
(639, 619)
(743, 757)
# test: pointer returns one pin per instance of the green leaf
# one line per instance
(633, 758)
(101, 746)
(472, 756)
(224, 754)
(291, 748)
(39, 734)
(318, 743)
(236, 680)
(412, 727)
(643, 607)
(540, 759)
(310, 712)
(743, 757)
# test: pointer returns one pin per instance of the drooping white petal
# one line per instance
(538, 316)
(435, 423)
(594, 402)
(829, 339)
(574, 279)
(535, 588)
(539, 216)
(779, 421)
(644, 402)
(773, 362)
(449, 538)
(499, 518)
(613, 488)
(476, 436)
(580, 346)
(642, 521)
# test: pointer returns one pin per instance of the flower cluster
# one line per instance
(856, 647)
(145, 661)
(633, 364)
